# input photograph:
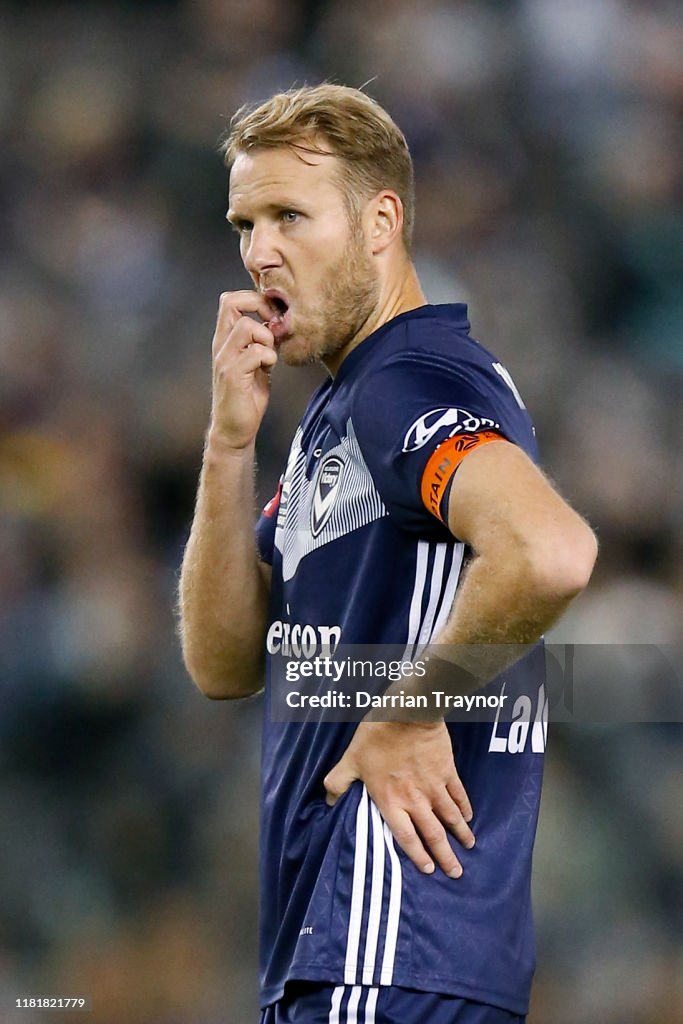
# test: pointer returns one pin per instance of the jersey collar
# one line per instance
(453, 311)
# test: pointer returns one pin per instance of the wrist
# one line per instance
(397, 720)
(421, 701)
(218, 443)
(429, 717)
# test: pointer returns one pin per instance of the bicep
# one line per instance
(266, 573)
(500, 500)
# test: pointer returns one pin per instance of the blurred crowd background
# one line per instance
(546, 137)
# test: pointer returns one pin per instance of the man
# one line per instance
(414, 457)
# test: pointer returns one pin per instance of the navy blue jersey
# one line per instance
(360, 557)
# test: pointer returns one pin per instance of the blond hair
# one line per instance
(372, 149)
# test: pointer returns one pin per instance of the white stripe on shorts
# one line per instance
(337, 995)
(393, 919)
(353, 1014)
(352, 1008)
(370, 1005)
(357, 890)
(376, 895)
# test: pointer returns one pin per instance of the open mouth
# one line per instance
(279, 323)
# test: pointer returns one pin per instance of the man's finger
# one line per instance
(450, 814)
(337, 782)
(244, 334)
(435, 839)
(457, 792)
(403, 831)
(253, 356)
(233, 305)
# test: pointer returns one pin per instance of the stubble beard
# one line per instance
(349, 294)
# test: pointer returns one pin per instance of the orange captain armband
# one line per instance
(443, 463)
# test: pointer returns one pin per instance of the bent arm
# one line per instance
(532, 555)
(224, 586)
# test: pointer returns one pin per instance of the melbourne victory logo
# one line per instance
(326, 491)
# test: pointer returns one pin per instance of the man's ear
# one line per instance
(386, 220)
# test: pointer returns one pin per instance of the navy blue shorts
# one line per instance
(312, 1003)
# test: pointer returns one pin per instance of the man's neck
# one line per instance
(401, 294)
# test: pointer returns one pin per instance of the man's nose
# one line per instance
(263, 252)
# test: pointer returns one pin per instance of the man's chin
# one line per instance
(296, 351)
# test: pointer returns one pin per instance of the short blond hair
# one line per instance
(370, 145)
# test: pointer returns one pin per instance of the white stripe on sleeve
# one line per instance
(451, 586)
(415, 615)
(434, 594)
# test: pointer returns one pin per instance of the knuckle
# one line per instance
(434, 835)
(404, 836)
(415, 797)
(463, 834)
(217, 348)
(240, 323)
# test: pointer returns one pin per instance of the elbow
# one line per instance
(218, 672)
(224, 686)
(562, 565)
(205, 681)
(222, 682)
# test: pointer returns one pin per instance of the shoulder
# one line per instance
(432, 341)
(428, 379)
(434, 355)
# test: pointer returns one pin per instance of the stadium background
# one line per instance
(549, 198)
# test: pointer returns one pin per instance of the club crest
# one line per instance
(326, 490)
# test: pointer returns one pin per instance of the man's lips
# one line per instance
(279, 326)
(279, 323)
(278, 299)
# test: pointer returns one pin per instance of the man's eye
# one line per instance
(242, 226)
(289, 216)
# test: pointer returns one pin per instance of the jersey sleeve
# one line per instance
(265, 527)
(418, 417)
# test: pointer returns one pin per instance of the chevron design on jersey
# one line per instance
(339, 498)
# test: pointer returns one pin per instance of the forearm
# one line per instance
(223, 591)
(533, 555)
(504, 605)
